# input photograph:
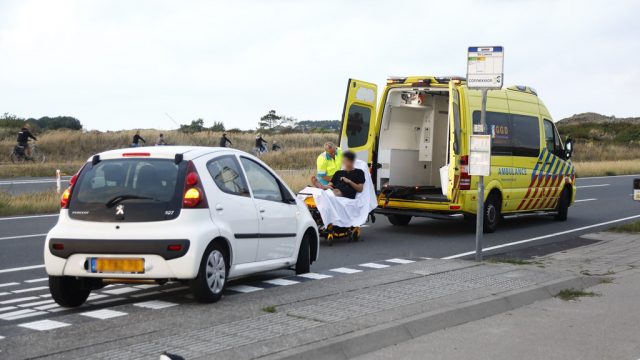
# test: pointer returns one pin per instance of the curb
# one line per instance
(378, 337)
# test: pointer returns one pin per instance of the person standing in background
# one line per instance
(136, 139)
(224, 140)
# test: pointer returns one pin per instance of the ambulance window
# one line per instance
(549, 136)
(456, 122)
(526, 135)
(358, 126)
(499, 127)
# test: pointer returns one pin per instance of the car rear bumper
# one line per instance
(167, 249)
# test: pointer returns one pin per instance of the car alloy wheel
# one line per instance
(216, 271)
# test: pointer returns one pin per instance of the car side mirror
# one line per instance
(568, 148)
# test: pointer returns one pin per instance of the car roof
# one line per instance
(163, 152)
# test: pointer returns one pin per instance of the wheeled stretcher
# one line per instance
(339, 217)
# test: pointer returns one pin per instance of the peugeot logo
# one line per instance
(120, 211)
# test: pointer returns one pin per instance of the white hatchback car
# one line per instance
(198, 214)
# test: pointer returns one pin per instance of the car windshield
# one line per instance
(135, 179)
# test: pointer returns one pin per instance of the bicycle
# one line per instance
(18, 155)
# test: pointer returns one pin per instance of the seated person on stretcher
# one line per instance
(346, 182)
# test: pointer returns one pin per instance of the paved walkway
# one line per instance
(606, 326)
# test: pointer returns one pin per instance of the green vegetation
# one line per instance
(632, 227)
(513, 261)
(29, 203)
(573, 294)
(269, 309)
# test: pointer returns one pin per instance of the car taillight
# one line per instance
(465, 178)
(193, 196)
(66, 195)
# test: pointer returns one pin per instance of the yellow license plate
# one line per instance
(117, 265)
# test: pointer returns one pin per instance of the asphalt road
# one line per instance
(31, 184)
(601, 203)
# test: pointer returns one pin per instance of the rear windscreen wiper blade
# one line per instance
(117, 199)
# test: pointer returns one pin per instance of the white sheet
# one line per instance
(345, 212)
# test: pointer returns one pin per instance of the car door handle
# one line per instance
(219, 207)
(261, 210)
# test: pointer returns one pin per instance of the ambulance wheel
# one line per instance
(492, 213)
(562, 209)
(399, 220)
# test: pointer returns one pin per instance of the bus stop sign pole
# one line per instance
(485, 71)
(480, 208)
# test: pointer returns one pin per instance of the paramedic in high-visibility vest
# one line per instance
(328, 163)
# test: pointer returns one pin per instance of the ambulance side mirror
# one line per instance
(568, 148)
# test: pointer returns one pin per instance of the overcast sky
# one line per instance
(124, 64)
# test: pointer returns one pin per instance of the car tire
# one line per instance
(209, 285)
(399, 220)
(68, 291)
(492, 213)
(303, 263)
(562, 209)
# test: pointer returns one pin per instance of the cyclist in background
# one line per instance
(23, 139)
(261, 144)
(160, 140)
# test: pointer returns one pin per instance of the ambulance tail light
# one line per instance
(465, 178)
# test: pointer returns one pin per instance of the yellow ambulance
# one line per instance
(416, 140)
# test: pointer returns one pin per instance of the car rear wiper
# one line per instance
(117, 199)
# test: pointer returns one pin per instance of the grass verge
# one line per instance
(632, 227)
(573, 294)
(607, 168)
(37, 170)
(269, 309)
(29, 203)
(513, 261)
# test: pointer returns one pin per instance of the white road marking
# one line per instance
(426, 258)
(44, 325)
(541, 237)
(374, 266)
(36, 280)
(21, 237)
(244, 288)
(103, 314)
(590, 186)
(6, 316)
(96, 297)
(105, 301)
(47, 307)
(4, 293)
(30, 289)
(400, 261)
(13, 301)
(146, 294)
(31, 181)
(45, 295)
(27, 217)
(121, 290)
(175, 289)
(315, 276)
(146, 286)
(281, 282)
(37, 303)
(344, 270)
(583, 200)
(21, 268)
(1, 337)
(6, 308)
(22, 316)
(155, 304)
(9, 284)
(606, 177)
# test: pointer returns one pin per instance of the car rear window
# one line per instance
(128, 190)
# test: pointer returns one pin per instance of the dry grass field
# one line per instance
(29, 203)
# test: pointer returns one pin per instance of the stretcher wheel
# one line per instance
(330, 239)
(355, 234)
